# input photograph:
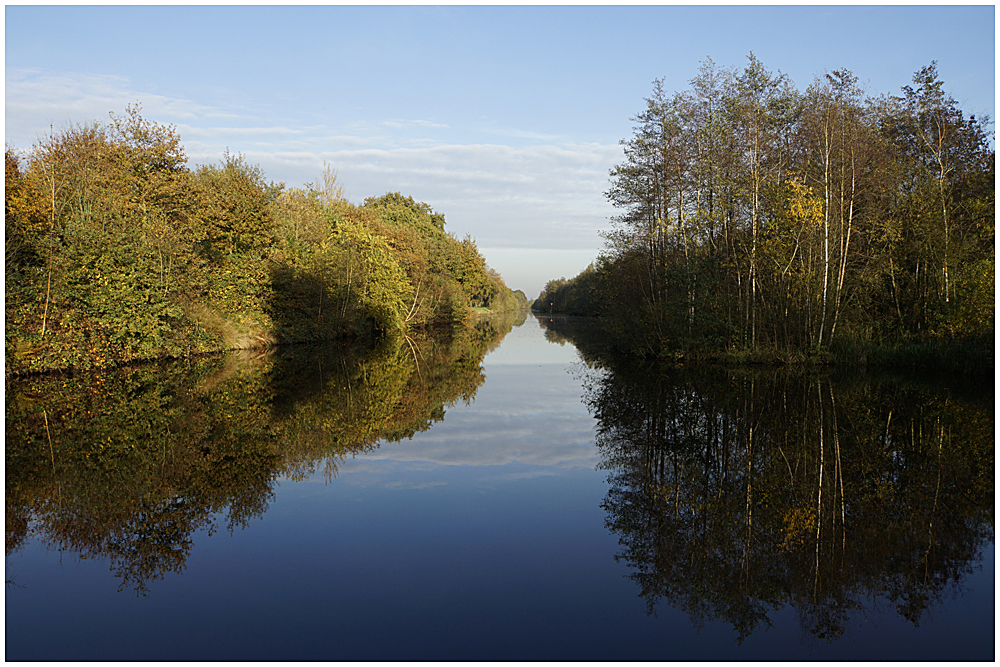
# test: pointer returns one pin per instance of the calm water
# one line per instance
(426, 502)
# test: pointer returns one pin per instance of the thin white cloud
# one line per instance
(190, 131)
(34, 99)
(397, 124)
(515, 133)
(534, 196)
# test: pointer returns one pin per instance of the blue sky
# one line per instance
(504, 118)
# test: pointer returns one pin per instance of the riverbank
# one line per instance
(117, 252)
(216, 334)
(971, 357)
(968, 357)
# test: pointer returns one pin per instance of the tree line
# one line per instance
(755, 216)
(117, 251)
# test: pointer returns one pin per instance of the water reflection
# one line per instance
(128, 465)
(737, 493)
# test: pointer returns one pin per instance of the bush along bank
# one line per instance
(116, 252)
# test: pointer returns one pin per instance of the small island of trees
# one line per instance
(762, 223)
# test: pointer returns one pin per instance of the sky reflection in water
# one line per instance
(529, 412)
(482, 538)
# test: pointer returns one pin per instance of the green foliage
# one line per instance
(233, 206)
(577, 296)
(374, 280)
(759, 220)
(116, 252)
(448, 276)
(396, 208)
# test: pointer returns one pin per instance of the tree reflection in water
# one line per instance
(736, 493)
(127, 465)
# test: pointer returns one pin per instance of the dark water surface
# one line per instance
(424, 502)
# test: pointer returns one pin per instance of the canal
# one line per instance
(509, 494)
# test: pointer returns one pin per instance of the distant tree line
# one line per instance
(116, 251)
(755, 216)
